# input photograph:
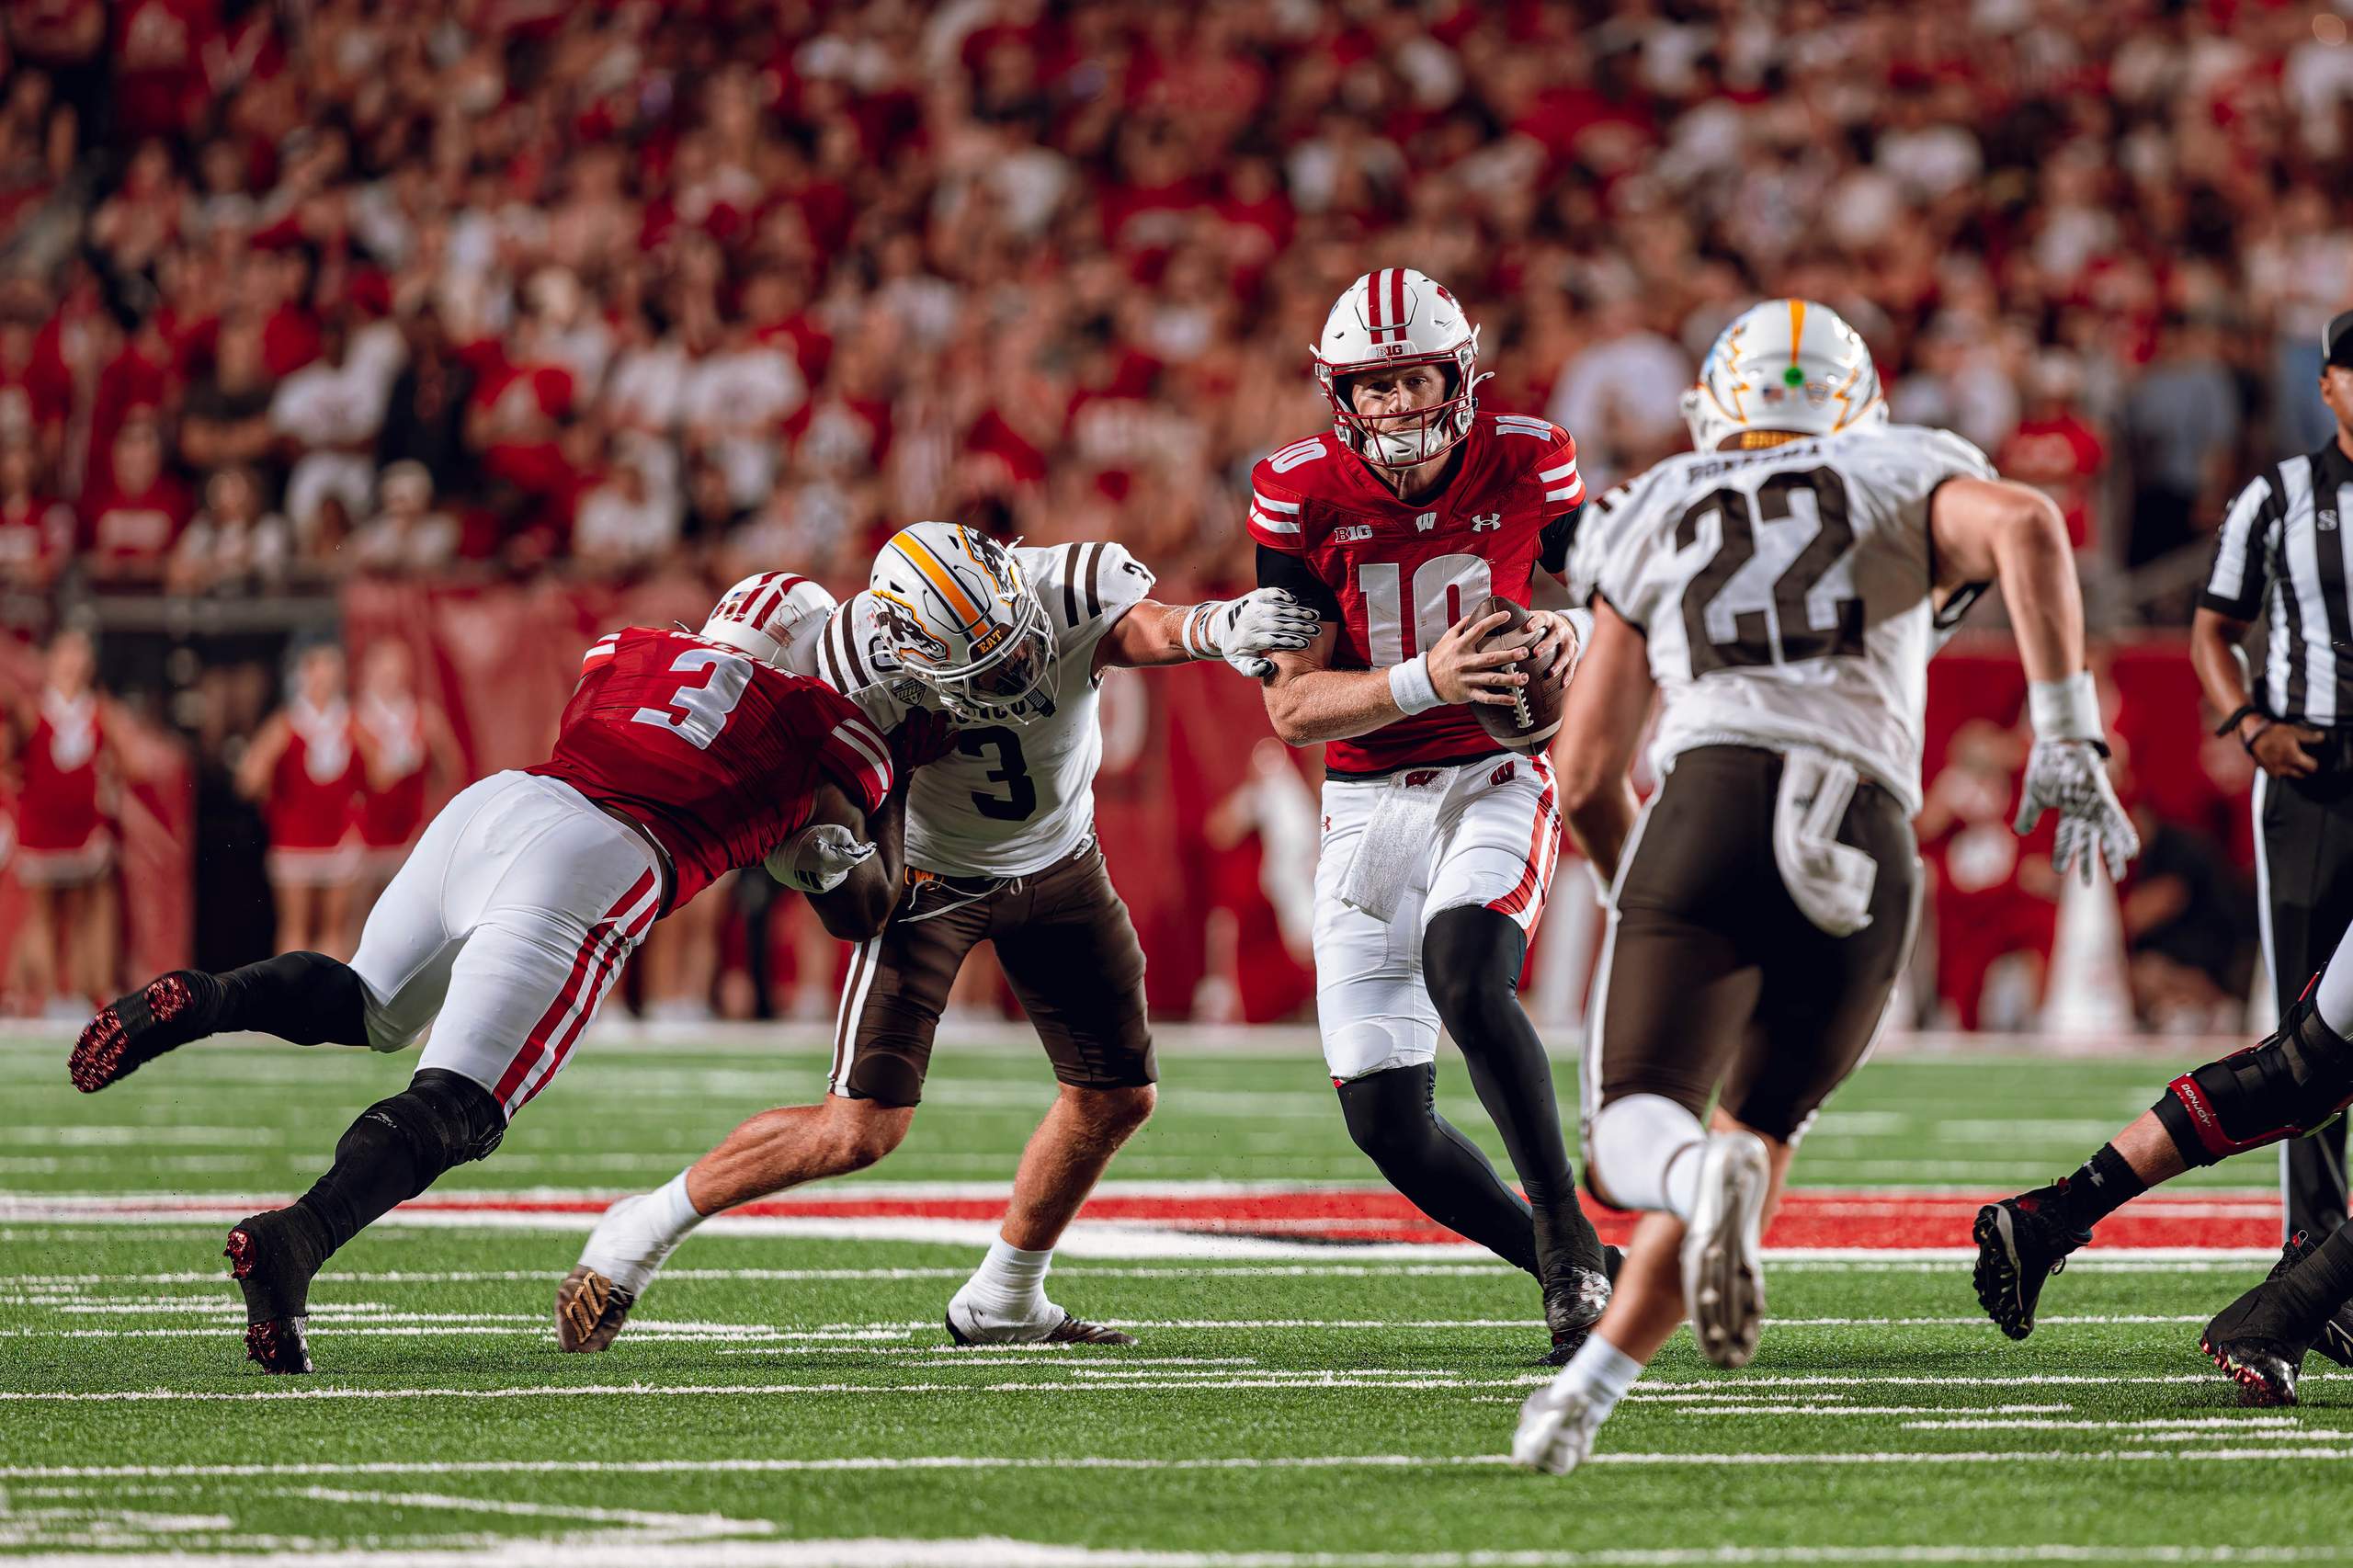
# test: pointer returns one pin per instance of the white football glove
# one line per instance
(818, 860)
(2067, 773)
(1244, 632)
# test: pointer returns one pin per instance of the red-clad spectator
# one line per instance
(406, 752)
(132, 519)
(2055, 449)
(36, 530)
(158, 49)
(66, 778)
(36, 388)
(304, 768)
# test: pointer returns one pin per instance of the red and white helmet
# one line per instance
(776, 616)
(1386, 321)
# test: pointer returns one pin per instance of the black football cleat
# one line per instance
(2336, 1340)
(1573, 1305)
(2251, 1341)
(2020, 1243)
(164, 1014)
(272, 1263)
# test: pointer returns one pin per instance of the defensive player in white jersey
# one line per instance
(1014, 644)
(1439, 844)
(1779, 590)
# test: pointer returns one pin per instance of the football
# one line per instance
(1530, 723)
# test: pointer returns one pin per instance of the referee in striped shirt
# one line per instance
(2285, 552)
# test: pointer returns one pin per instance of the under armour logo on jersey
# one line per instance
(1425, 522)
(1484, 522)
(1352, 532)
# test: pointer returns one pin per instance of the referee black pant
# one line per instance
(2303, 868)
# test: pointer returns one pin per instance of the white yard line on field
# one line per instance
(996, 1551)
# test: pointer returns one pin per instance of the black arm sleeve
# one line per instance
(1289, 573)
(1552, 552)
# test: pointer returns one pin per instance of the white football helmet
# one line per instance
(1388, 319)
(963, 619)
(1789, 366)
(776, 616)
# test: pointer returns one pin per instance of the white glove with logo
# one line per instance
(2067, 773)
(1244, 632)
(818, 860)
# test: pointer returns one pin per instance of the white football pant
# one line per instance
(1493, 839)
(503, 929)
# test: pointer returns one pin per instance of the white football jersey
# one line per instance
(1010, 798)
(1787, 593)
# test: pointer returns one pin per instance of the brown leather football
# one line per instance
(1530, 723)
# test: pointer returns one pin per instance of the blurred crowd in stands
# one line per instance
(507, 288)
(301, 288)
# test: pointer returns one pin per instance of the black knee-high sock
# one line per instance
(399, 1147)
(1393, 1117)
(2315, 1289)
(1472, 959)
(307, 998)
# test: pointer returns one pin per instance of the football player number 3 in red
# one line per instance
(710, 683)
(1443, 587)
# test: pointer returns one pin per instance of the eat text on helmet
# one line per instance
(1388, 321)
(963, 619)
(1784, 367)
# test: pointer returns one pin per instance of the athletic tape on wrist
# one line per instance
(2065, 709)
(1409, 685)
(1195, 634)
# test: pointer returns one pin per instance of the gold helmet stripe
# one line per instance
(1797, 328)
(941, 578)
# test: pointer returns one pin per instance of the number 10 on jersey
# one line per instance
(1443, 587)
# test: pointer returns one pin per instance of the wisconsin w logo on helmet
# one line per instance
(963, 619)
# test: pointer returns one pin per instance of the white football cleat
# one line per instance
(969, 1323)
(1724, 1273)
(1556, 1428)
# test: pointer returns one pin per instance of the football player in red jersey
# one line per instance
(1439, 844)
(681, 756)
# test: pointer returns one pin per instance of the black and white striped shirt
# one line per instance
(2283, 552)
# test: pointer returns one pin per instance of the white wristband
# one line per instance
(2065, 709)
(1409, 685)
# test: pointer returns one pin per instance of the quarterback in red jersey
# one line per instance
(682, 756)
(1439, 844)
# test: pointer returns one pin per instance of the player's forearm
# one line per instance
(1152, 633)
(2035, 567)
(1599, 824)
(859, 908)
(1332, 705)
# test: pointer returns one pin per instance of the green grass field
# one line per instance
(785, 1395)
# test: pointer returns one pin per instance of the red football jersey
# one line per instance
(1404, 571)
(717, 754)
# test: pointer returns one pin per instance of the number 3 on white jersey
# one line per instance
(706, 702)
(1444, 588)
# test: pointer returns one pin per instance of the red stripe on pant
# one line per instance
(616, 948)
(535, 1044)
(1531, 879)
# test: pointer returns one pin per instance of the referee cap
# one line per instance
(2337, 340)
